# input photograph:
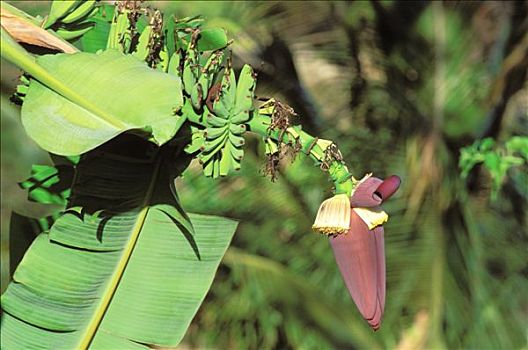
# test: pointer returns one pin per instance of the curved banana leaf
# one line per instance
(124, 267)
(77, 102)
(101, 96)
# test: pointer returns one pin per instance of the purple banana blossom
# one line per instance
(360, 253)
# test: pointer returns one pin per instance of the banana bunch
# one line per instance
(199, 79)
(70, 18)
(226, 123)
(217, 101)
(143, 33)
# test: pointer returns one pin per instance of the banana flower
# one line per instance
(360, 251)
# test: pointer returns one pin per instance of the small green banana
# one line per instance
(94, 12)
(197, 96)
(208, 154)
(82, 11)
(197, 141)
(245, 90)
(189, 75)
(24, 80)
(142, 48)
(215, 121)
(111, 41)
(59, 9)
(237, 141)
(74, 34)
(22, 89)
(220, 109)
(226, 163)
(237, 129)
(191, 114)
(211, 67)
(164, 59)
(236, 153)
(124, 35)
(214, 62)
(240, 118)
(216, 169)
(214, 133)
(203, 83)
(174, 64)
(271, 146)
(212, 146)
(208, 169)
(117, 38)
(228, 92)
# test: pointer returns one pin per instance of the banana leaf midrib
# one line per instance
(113, 283)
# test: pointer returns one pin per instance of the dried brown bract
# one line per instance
(272, 165)
(332, 154)
(156, 37)
(280, 120)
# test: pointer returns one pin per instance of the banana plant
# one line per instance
(123, 265)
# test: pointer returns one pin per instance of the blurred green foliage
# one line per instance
(498, 160)
(402, 87)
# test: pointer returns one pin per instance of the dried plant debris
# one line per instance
(280, 121)
(155, 43)
(130, 5)
(125, 20)
(271, 166)
(146, 44)
(331, 154)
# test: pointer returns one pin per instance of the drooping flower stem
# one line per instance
(325, 153)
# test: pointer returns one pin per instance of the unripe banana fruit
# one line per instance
(59, 9)
(82, 11)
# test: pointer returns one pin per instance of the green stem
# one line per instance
(310, 145)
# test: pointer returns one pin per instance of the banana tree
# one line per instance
(123, 113)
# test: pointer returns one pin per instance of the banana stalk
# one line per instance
(315, 148)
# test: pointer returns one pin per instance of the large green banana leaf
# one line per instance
(123, 267)
(76, 102)
(110, 93)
